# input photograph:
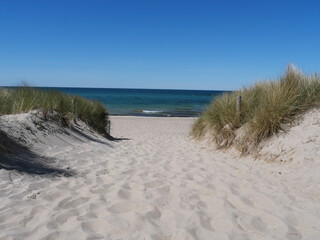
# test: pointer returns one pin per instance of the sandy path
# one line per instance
(156, 183)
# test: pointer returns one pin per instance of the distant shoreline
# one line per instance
(146, 102)
(150, 117)
(114, 88)
(155, 115)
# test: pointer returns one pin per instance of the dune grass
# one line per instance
(24, 99)
(266, 108)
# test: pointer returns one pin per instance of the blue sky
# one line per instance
(214, 45)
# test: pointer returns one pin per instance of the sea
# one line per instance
(147, 102)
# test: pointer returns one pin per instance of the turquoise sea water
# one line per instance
(147, 102)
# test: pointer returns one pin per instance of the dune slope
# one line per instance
(154, 182)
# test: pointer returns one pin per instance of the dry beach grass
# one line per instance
(266, 108)
(24, 99)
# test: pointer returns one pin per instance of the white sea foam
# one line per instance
(151, 111)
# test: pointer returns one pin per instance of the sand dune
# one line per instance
(154, 182)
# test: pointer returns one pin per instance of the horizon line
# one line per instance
(125, 88)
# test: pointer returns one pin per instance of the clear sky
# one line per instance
(169, 44)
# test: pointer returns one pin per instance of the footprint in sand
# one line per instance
(274, 224)
(74, 203)
(99, 226)
(124, 194)
(154, 184)
(65, 216)
(154, 214)
(181, 234)
(52, 196)
(123, 207)
(263, 224)
(168, 221)
(164, 190)
(221, 224)
(54, 235)
(204, 234)
(252, 224)
(243, 206)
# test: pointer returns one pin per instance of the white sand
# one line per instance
(156, 183)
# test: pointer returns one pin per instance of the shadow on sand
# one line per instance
(14, 156)
(109, 137)
(17, 157)
(90, 138)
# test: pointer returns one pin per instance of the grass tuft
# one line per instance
(23, 99)
(266, 108)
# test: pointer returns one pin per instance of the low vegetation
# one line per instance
(24, 99)
(266, 108)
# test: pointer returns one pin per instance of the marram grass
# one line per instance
(24, 99)
(266, 108)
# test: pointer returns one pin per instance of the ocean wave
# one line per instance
(151, 111)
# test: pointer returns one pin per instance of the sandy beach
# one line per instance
(154, 182)
(159, 120)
